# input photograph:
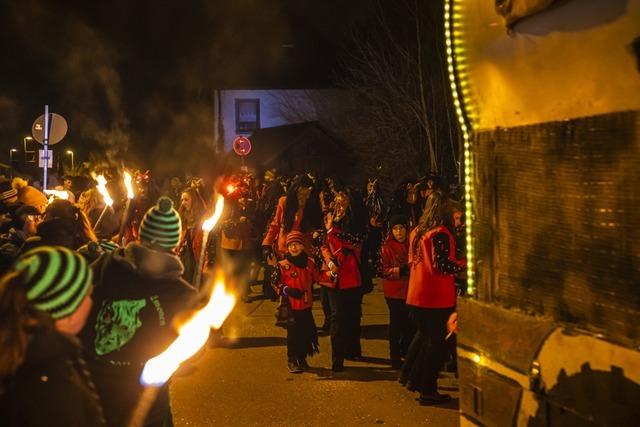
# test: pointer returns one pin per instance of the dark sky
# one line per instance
(135, 78)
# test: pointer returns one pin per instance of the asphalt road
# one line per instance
(244, 380)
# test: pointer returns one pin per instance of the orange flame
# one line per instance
(210, 222)
(128, 185)
(193, 335)
(102, 188)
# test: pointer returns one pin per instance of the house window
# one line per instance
(247, 115)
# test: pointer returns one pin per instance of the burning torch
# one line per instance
(207, 226)
(108, 201)
(129, 186)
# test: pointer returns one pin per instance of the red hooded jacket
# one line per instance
(347, 256)
(276, 234)
(299, 278)
(429, 288)
(394, 255)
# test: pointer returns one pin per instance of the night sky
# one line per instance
(134, 77)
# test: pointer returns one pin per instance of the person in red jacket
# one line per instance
(431, 297)
(294, 278)
(342, 254)
(395, 281)
(300, 211)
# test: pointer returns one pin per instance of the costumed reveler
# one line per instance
(293, 278)
(145, 198)
(395, 282)
(300, 211)
(431, 297)
(342, 254)
(193, 211)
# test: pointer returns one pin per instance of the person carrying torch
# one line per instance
(139, 292)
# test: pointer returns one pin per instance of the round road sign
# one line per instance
(242, 145)
(57, 128)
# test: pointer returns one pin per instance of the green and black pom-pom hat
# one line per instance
(161, 225)
(57, 279)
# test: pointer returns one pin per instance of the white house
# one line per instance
(241, 112)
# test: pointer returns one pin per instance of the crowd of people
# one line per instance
(90, 292)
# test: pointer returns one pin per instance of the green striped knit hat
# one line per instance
(161, 225)
(107, 245)
(56, 279)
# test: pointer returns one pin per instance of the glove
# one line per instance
(267, 252)
(292, 292)
(404, 271)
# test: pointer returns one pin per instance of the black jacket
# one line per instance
(51, 387)
(138, 292)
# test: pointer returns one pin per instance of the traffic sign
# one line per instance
(242, 146)
(41, 158)
(57, 128)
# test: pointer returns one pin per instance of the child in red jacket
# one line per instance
(294, 278)
(395, 280)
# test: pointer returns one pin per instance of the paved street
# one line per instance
(245, 380)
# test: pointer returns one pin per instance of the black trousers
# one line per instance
(346, 310)
(427, 351)
(267, 289)
(401, 328)
(302, 338)
(326, 307)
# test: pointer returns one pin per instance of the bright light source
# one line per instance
(209, 223)
(57, 194)
(128, 185)
(193, 335)
(102, 188)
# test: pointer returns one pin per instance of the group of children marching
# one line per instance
(418, 271)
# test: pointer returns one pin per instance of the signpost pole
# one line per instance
(48, 129)
(46, 146)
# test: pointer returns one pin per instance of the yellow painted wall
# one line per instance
(572, 60)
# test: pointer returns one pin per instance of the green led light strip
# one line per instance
(460, 92)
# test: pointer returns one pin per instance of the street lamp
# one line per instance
(71, 154)
(13, 150)
(27, 151)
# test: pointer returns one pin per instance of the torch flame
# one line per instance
(210, 222)
(128, 184)
(193, 335)
(60, 194)
(102, 188)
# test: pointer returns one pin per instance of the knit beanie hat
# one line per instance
(92, 250)
(161, 225)
(31, 196)
(295, 236)
(107, 245)
(397, 219)
(7, 191)
(56, 279)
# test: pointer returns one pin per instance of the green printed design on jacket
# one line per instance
(116, 324)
